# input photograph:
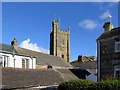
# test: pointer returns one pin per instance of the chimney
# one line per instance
(108, 26)
(14, 42)
(80, 58)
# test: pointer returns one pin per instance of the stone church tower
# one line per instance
(60, 41)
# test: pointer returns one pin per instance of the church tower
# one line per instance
(60, 41)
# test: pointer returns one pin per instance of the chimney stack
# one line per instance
(108, 26)
(14, 42)
(80, 58)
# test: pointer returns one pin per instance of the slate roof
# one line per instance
(13, 78)
(45, 59)
(80, 73)
(108, 34)
(7, 48)
(41, 58)
(87, 62)
(85, 58)
(86, 65)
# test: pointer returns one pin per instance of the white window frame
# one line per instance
(116, 68)
(1, 60)
(5, 60)
(25, 62)
(116, 46)
(14, 60)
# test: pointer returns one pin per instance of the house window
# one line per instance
(117, 74)
(1, 61)
(4, 61)
(25, 63)
(14, 61)
(117, 46)
(117, 71)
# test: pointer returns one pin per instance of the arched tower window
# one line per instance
(63, 56)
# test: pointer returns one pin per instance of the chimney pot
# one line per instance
(14, 42)
(108, 26)
(80, 58)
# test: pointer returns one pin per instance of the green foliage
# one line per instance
(75, 85)
(108, 85)
(89, 85)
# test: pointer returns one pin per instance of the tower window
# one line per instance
(63, 56)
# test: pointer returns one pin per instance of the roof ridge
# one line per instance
(113, 32)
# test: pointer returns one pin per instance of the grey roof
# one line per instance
(19, 78)
(45, 59)
(85, 58)
(85, 65)
(42, 59)
(7, 48)
(111, 33)
(88, 58)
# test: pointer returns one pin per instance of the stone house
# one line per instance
(108, 52)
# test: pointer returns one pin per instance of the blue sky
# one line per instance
(30, 23)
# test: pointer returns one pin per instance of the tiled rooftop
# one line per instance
(19, 78)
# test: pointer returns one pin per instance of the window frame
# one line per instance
(117, 43)
(1, 62)
(5, 60)
(116, 69)
(26, 62)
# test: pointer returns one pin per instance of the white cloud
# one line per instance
(88, 24)
(32, 46)
(105, 15)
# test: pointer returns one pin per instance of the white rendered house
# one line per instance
(10, 57)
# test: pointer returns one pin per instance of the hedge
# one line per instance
(75, 85)
(108, 85)
(89, 85)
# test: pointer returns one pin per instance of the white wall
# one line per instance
(18, 61)
(34, 63)
(92, 77)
